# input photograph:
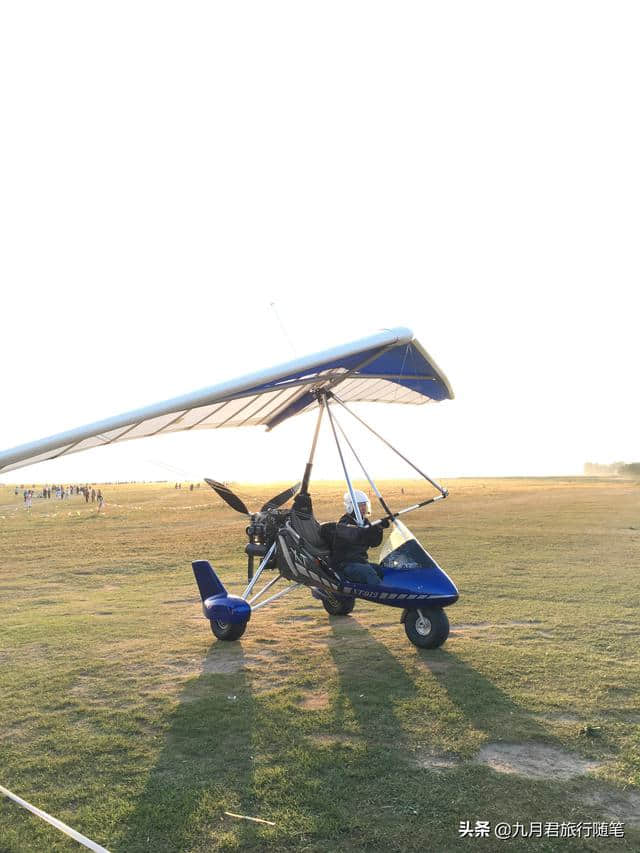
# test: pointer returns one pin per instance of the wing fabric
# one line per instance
(389, 367)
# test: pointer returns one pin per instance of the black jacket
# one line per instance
(348, 542)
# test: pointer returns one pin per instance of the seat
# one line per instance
(300, 556)
(306, 526)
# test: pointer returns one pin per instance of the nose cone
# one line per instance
(440, 584)
(433, 582)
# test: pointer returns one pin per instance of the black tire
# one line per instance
(429, 632)
(227, 630)
(339, 606)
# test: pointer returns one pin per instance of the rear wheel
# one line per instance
(427, 628)
(227, 630)
(338, 606)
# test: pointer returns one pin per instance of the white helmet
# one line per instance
(360, 497)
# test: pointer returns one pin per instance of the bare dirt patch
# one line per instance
(479, 635)
(261, 670)
(226, 661)
(485, 626)
(286, 620)
(558, 717)
(14, 732)
(534, 760)
(315, 701)
(28, 652)
(493, 630)
(223, 659)
(621, 805)
(430, 760)
(91, 691)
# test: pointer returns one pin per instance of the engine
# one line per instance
(262, 532)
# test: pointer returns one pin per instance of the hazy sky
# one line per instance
(469, 170)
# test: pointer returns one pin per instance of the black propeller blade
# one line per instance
(227, 495)
(280, 499)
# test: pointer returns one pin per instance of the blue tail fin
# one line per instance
(208, 582)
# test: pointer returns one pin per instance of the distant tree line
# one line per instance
(623, 469)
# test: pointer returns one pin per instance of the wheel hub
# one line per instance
(423, 625)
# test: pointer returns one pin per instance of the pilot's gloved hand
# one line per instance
(302, 502)
(384, 523)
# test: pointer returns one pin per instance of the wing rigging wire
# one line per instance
(272, 305)
(356, 508)
(389, 445)
(383, 503)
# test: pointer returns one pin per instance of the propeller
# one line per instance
(228, 496)
(239, 505)
(280, 499)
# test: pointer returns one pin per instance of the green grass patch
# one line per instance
(122, 715)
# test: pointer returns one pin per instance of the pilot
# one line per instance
(349, 542)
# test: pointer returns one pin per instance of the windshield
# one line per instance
(401, 550)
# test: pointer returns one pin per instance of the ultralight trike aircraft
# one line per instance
(389, 367)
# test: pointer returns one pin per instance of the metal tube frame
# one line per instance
(245, 595)
(309, 465)
(259, 571)
(417, 506)
(265, 588)
(277, 595)
(383, 503)
(323, 400)
(356, 508)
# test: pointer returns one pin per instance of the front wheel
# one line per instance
(427, 628)
(338, 606)
(227, 630)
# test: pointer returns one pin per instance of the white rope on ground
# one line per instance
(77, 836)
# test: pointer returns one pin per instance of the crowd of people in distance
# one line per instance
(60, 492)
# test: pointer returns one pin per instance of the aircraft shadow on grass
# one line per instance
(485, 706)
(359, 767)
(205, 761)
(367, 667)
(505, 722)
(375, 685)
(206, 764)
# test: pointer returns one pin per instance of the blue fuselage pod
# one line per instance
(409, 588)
(227, 608)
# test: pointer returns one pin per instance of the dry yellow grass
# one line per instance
(123, 716)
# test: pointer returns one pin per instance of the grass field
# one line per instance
(122, 715)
